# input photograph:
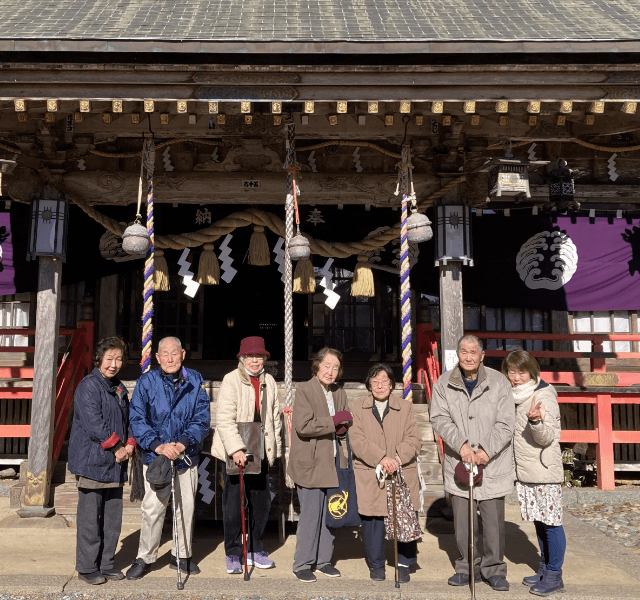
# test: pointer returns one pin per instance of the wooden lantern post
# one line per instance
(45, 360)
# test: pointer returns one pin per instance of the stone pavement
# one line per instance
(39, 563)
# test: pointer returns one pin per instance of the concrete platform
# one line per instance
(38, 562)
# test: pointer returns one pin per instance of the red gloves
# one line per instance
(340, 419)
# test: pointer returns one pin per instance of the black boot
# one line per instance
(533, 579)
(550, 584)
(186, 565)
(137, 569)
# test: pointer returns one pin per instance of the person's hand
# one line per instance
(130, 448)
(121, 455)
(341, 417)
(389, 465)
(168, 450)
(179, 446)
(535, 412)
(467, 454)
(482, 458)
(240, 458)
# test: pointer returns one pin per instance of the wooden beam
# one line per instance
(451, 311)
(108, 306)
(45, 361)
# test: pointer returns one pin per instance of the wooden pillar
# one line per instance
(45, 363)
(451, 324)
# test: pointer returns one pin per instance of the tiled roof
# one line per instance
(321, 20)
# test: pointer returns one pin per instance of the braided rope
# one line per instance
(149, 288)
(348, 143)
(290, 163)
(405, 285)
(158, 147)
(10, 149)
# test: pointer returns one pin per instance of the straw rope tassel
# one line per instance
(147, 317)
(288, 298)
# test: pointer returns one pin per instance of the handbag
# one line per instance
(342, 501)
(252, 434)
(407, 526)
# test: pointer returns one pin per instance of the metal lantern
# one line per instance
(299, 247)
(561, 187)
(418, 228)
(453, 234)
(135, 239)
(48, 228)
(7, 166)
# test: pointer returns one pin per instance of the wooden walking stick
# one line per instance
(244, 525)
(395, 530)
(472, 560)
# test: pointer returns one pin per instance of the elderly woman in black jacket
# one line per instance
(99, 448)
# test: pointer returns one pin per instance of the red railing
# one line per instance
(598, 387)
(76, 363)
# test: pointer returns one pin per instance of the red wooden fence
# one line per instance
(76, 363)
(598, 387)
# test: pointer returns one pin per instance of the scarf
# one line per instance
(522, 393)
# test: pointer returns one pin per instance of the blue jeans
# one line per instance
(553, 544)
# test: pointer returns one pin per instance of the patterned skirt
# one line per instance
(540, 502)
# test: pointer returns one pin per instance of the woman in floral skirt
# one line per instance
(539, 470)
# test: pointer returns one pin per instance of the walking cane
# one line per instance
(472, 560)
(176, 541)
(395, 530)
(244, 525)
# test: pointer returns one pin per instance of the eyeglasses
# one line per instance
(380, 383)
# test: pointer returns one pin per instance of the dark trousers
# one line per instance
(553, 544)
(373, 536)
(257, 506)
(491, 559)
(99, 522)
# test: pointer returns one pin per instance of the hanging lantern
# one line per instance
(561, 188)
(419, 228)
(299, 248)
(453, 234)
(513, 180)
(48, 228)
(135, 239)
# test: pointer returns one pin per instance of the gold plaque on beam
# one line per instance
(149, 106)
(20, 105)
(418, 120)
(342, 107)
(561, 120)
(405, 107)
(85, 106)
(532, 120)
(372, 107)
(276, 108)
(446, 121)
(49, 117)
(629, 108)
(502, 106)
(437, 107)
(566, 107)
(599, 379)
(106, 118)
(597, 107)
(534, 106)
(78, 117)
(164, 119)
(277, 119)
(213, 108)
(470, 107)
(388, 120)
(475, 120)
(221, 119)
(22, 117)
(589, 119)
(116, 106)
(181, 106)
(248, 119)
(309, 107)
(503, 121)
(245, 107)
(333, 120)
(135, 118)
(52, 105)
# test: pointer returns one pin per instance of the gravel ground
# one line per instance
(620, 523)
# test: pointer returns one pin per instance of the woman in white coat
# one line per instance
(539, 470)
(247, 394)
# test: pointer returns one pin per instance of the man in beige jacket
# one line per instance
(472, 410)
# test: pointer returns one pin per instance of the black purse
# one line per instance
(342, 501)
(159, 471)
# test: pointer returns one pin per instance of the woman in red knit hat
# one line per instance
(247, 394)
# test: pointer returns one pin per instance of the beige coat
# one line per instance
(371, 442)
(237, 404)
(486, 420)
(536, 448)
(312, 462)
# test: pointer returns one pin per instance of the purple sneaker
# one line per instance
(260, 560)
(233, 565)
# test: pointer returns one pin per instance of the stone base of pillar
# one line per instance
(35, 511)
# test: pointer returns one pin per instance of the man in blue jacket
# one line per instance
(170, 416)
